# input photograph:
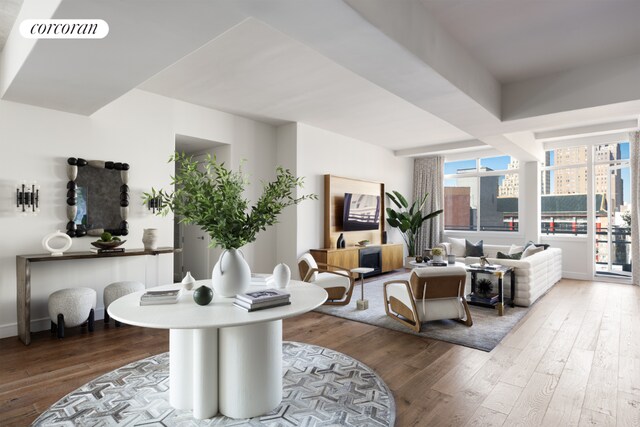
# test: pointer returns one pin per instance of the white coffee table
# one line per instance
(222, 358)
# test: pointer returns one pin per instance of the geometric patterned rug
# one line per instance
(321, 387)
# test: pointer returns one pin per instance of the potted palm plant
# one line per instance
(210, 195)
(408, 219)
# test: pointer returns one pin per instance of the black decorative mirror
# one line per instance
(97, 197)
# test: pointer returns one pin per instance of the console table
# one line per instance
(349, 258)
(23, 279)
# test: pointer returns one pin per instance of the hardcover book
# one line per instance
(244, 307)
(160, 297)
(264, 295)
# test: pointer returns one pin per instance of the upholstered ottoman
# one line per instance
(71, 307)
(116, 290)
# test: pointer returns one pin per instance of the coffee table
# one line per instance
(474, 299)
(221, 357)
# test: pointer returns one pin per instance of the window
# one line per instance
(564, 182)
(481, 194)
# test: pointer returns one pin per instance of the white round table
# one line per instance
(222, 358)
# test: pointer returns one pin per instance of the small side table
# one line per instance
(362, 304)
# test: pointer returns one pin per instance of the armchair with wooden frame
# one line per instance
(432, 293)
(338, 282)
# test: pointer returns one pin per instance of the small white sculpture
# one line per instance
(59, 250)
(188, 281)
(281, 275)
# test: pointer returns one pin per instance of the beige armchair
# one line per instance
(432, 293)
(338, 282)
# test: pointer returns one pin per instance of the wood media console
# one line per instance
(391, 256)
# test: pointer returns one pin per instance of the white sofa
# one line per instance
(535, 274)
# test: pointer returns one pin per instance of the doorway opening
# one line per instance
(196, 256)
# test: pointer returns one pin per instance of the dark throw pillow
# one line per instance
(544, 246)
(517, 255)
(474, 250)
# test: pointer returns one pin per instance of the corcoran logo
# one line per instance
(64, 28)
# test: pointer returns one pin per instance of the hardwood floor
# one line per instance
(574, 360)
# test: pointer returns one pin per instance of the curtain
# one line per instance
(634, 142)
(428, 177)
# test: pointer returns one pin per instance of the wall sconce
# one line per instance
(154, 204)
(27, 198)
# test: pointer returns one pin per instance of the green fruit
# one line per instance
(203, 295)
(116, 238)
(106, 236)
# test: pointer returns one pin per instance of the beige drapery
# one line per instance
(428, 177)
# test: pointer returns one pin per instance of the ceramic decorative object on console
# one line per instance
(451, 259)
(188, 281)
(56, 250)
(150, 239)
(340, 241)
(437, 254)
(281, 275)
(211, 196)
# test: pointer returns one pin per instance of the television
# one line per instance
(361, 212)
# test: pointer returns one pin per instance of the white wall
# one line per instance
(321, 152)
(139, 129)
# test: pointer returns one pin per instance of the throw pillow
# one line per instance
(457, 246)
(514, 249)
(531, 249)
(473, 250)
(517, 255)
(544, 246)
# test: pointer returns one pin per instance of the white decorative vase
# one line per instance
(437, 258)
(281, 275)
(231, 275)
(188, 281)
(150, 239)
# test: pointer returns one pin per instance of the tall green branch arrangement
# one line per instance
(408, 219)
(211, 196)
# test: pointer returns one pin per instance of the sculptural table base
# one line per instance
(236, 370)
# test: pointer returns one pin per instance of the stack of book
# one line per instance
(160, 297)
(106, 251)
(261, 278)
(259, 300)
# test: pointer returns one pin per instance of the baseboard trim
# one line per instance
(576, 275)
(37, 325)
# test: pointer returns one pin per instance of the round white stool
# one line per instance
(71, 307)
(362, 304)
(116, 290)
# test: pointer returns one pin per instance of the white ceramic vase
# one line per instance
(150, 239)
(231, 275)
(59, 237)
(437, 258)
(281, 275)
(188, 281)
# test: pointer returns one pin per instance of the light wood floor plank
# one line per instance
(531, 406)
(628, 410)
(485, 417)
(591, 418)
(502, 398)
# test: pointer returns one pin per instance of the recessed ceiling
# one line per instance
(520, 39)
(259, 72)
(8, 12)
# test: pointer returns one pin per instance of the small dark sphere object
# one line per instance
(80, 233)
(124, 232)
(108, 165)
(124, 225)
(71, 185)
(71, 201)
(124, 203)
(125, 166)
(72, 161)
(117, 166)
(203, 295)
(124, 196)
(71, 233)
(124, 188)
(71, 193)
(82, 162)
(71, 225)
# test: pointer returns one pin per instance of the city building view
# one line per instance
(485, 198)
